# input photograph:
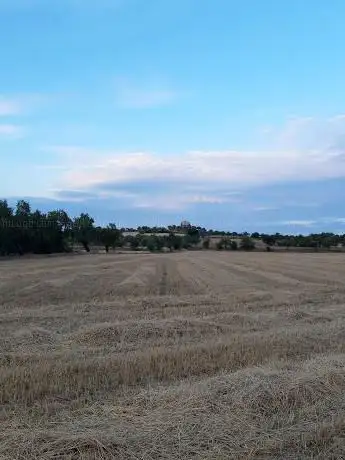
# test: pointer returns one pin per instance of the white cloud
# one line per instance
(302, 204)
(8, 130)
(172, 201)
(22, 104)
(340, 117)
(129, 94)
(9, 107)
(206, 176)
(302, 223)
(225, 168)
(264, 208)
(309, 134)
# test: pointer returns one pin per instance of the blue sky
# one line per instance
(228, 113)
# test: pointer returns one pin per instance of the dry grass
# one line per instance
(195, 355)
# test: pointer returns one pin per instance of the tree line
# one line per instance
(23, 230)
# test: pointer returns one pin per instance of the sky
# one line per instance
(226, 113)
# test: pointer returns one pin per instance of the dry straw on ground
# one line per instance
(180, 356)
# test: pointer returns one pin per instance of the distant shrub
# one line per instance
(233, 245)
(220, 245)
(206, 244)
(247, 244)
(227, 243)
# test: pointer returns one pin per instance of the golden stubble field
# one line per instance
(200, 355)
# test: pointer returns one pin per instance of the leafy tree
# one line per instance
(178, 243)
(206, 243)
(154, 243)
(6, 233)
(134, 242)
(62, 219)
(194, 236)
(247, 244)
(5, 210)
(227, 243)
(23, 208)
(173, 241)
(220, 245)
(270, 240)
(233, 245)
(83, 230)
(108, 236)
(151, 244)
(159, 241)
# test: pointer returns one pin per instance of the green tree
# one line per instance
(23, 208)
(108, 236)
(233, 245)
(173, 241)
(194, 236)
(220, 245)
(62, 219)
(247, 244)
(270, 240)
(83, 230)
(226, 243)
(178, 243)
(151, 243)
(206, 243)
(5, 210)
(133, 242)
(7, 244)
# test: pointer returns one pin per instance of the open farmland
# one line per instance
(202, 354)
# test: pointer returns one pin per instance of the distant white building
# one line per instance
(185, 224)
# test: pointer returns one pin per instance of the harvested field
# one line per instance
(199, 355)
